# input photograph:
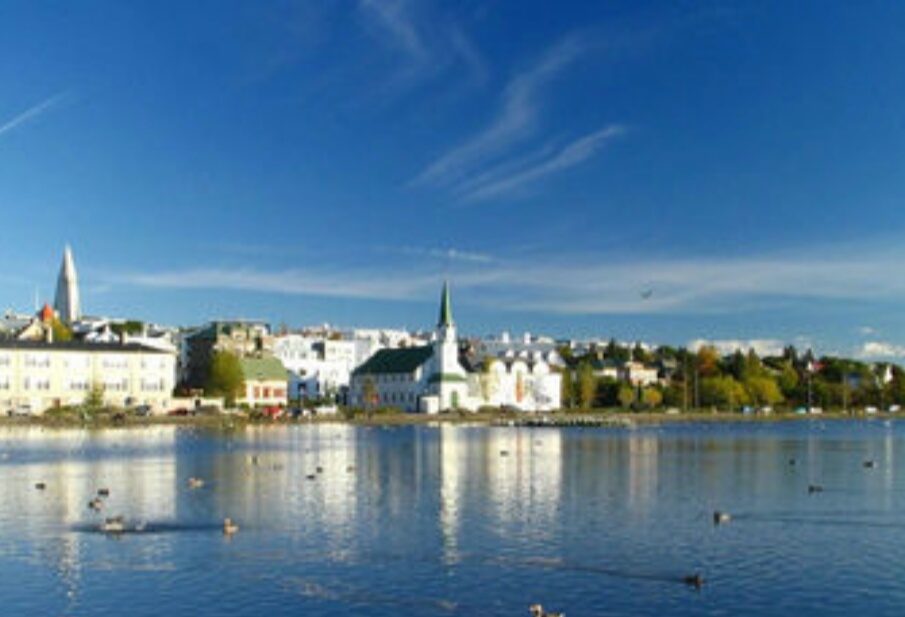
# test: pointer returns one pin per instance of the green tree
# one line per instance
(131, 326)
(788, 381)
(763, 391)
(225, 377)
(722, 391)
(587, 385)
(59, 331)
(616, 352)
(567, 388)
(94, 401)
(626, 395)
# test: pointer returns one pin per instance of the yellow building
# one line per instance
(36, 376)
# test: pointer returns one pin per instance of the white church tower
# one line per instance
(448, 380)
(66, 303)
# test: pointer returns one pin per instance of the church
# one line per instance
(432, 378)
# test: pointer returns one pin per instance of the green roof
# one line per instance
(404, 360)
(445, 378)
(262, 368)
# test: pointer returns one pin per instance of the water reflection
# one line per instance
(441, 519)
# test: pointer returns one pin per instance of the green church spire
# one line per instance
(445, 307)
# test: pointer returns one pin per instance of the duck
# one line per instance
(229, 527)
(870, 464)
(103, 492)
(538, 611)
(695, 580)
(720, 518)
(194, 482)
(815, 488)
(96, 504)
(113, 524)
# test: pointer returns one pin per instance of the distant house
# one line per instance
(266, 382)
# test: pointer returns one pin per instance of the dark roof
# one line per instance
(79, 346)
(404, 360)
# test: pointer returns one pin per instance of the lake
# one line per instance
(448, 520)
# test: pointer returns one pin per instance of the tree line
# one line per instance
(705, 379)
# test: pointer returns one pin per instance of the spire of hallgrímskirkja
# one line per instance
(66, 303)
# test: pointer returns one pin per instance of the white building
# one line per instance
(39, 376)
(431, 378)
(320, 365)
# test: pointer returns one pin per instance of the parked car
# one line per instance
(143, 410)
(272, 411)
(179, 411)
(19, 410)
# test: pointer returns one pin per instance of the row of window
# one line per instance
(43, 384)
(43, 360)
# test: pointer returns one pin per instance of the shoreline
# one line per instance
(589, 419)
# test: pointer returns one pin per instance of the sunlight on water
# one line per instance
(448, 520)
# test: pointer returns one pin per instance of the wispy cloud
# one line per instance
(31, 113)
(515, 122)
(450, 254)
(581, 284)
(502, 180)
(395, 16)
(428, 43)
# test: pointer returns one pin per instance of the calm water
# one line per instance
(456, 520)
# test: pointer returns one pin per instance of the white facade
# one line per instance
(320, 365)
(431, 378)
(41, 376)
(519, 384)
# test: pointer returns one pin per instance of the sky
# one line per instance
(666, 172)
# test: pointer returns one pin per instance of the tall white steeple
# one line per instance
(66, 303)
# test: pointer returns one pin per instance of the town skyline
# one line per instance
(652, 173)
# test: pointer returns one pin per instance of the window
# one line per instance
(37, 360)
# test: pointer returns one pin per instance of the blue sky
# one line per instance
(659, 171)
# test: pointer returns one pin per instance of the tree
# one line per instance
(708, 361)
(131, 326)
(94, 400)
(626, 395)
(487, 379)
(723, 392)
(651, 397)
(567, 388)
(369, 393)
(587, 385)
(225, 377)
(763, 391)
(59, 331)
